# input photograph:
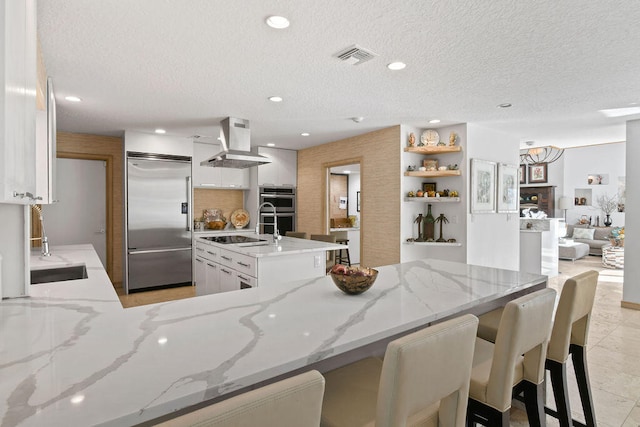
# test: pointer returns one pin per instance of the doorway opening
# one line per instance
(88, 218)
(343, 209)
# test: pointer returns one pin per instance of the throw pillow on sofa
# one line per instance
(583, 233)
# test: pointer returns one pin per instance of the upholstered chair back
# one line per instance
(524, 329)
(571, 325)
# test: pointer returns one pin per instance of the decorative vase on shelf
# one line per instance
(607, 221)
(429, 226)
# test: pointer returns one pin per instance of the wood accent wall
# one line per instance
(110, 149)
(227, 200)
(380, 157)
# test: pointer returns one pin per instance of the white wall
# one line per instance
(157, 144)
(579, 163)
(14, 250)
(494, 238)
(354, 187)
(631, 287)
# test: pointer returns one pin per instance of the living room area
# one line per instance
(586, 188)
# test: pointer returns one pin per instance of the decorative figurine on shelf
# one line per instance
(441, 219)
(452, 139)
(419, 221)
(429, 221)
(412, 140)
(411, 168)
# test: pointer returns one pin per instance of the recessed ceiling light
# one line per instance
(162, 340)
(620, 112)
(72, 98)
(505, 105)
(275, 99)
(271, 144)
(396, 66)
(434, 121)
(277, 22)
(347, 171)
(160, 131)
(305, 134)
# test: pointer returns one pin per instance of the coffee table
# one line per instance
(613, 256)
(572, 250)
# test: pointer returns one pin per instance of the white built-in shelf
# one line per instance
(433, 149)
(432, 199)
(433, 174)
(433, 243)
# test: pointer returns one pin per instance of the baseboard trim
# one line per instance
(631, 305)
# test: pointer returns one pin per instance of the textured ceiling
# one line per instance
(185, 65)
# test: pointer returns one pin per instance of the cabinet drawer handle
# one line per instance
(225, 271)
(213, 253)
(226, 258)
(243, 264)
(212, 265)
(243, 278)
(199, 260)
(200, 249)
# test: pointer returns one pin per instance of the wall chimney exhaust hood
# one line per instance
(236, 147)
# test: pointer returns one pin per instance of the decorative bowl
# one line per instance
(216, 225)
(355, 280)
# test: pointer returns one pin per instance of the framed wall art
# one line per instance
(428, 186)
(483, 186)
(538, 173)
(508, 188)
(523, 174)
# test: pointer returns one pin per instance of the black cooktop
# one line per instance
(228, 240)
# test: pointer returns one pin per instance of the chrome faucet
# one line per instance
(45, 240)
(276, 235)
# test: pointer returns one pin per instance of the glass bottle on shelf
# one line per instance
(429, 226)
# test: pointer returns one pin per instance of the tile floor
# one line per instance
(613, 348)
(613, 352)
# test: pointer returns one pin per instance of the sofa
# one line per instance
(595, 237)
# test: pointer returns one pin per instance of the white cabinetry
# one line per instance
(219, 270)
(207, 269)
(18, 101)
(283, 169)
(46, 149)
(210, 177)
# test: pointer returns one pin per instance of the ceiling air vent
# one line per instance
(355, 55)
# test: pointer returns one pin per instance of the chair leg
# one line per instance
(479, 413)
(579, 357)
(533, 401)
(558, 374)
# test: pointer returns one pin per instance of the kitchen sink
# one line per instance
(59, 274)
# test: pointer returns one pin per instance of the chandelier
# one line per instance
(537, 155)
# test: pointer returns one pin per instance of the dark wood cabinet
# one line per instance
(540, 198)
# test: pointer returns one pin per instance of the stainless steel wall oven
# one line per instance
(284, 200)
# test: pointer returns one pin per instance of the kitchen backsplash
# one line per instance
(227, 200)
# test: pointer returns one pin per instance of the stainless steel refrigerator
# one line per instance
(158, 221)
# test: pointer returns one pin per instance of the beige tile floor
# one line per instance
(613, 352)
(613, 348)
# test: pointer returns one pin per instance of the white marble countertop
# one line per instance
(68, 358)
(284, 246)
(345, 229)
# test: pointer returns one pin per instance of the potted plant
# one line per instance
(607, 204)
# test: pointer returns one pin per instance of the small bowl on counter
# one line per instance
(353, 280)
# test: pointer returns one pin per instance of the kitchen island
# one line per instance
(228, 262)
(70, 358)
